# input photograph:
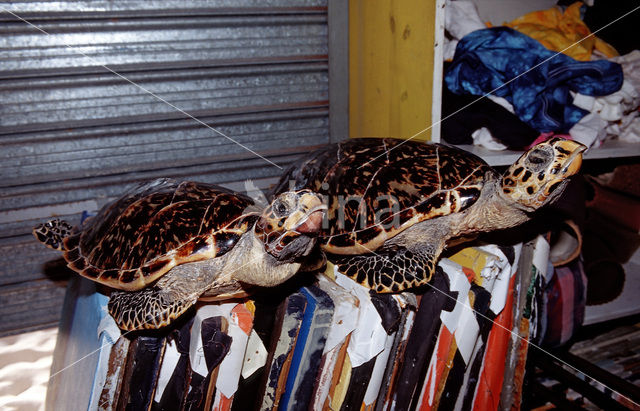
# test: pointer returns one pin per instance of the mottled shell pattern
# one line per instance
(150, 230)
(378, 191)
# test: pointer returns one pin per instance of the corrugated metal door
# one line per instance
(73, 134)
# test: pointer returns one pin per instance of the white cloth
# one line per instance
(461, 18)
(502, 101)
(628, 129)
(483, 137)
(615, 114)
(590, 130)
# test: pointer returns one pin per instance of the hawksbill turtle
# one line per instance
(167, 243)
(394, 205)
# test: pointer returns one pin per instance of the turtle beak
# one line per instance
(574, 161)
(311, 221)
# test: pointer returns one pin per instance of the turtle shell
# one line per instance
(150, 230)
(379, 187)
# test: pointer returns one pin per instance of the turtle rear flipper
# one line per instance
(149, 308)
(52, 233)
(390, 272)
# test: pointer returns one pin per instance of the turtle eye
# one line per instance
(284, 204)
(280, 208)
(537, 157)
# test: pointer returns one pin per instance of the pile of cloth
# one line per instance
(540, 75)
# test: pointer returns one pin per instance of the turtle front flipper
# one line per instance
(165, 300)
(52, 233)
(149, 308)
(390, 271)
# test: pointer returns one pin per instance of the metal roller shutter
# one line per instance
(73, 135)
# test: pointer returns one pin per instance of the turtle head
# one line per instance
(540, 174)
(290, 224)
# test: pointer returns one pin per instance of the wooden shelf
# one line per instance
(610, 149)
(627, 302)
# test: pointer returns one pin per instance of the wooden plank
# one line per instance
(391, 60)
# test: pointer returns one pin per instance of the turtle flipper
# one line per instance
(52, 233)
(390, 272)
(149, 308)
(157, 305)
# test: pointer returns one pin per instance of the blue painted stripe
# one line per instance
(303, 335)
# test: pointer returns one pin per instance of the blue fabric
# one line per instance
(487, 59)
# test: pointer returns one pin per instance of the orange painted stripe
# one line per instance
(445, 339)
(245, 322)
(471, 275)
(244, 316)
(222, 403)
(522, 348)
(491, 377)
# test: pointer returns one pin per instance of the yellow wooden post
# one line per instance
(391, 54)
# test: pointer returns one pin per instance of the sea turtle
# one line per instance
(394, 205)
(166, 243)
